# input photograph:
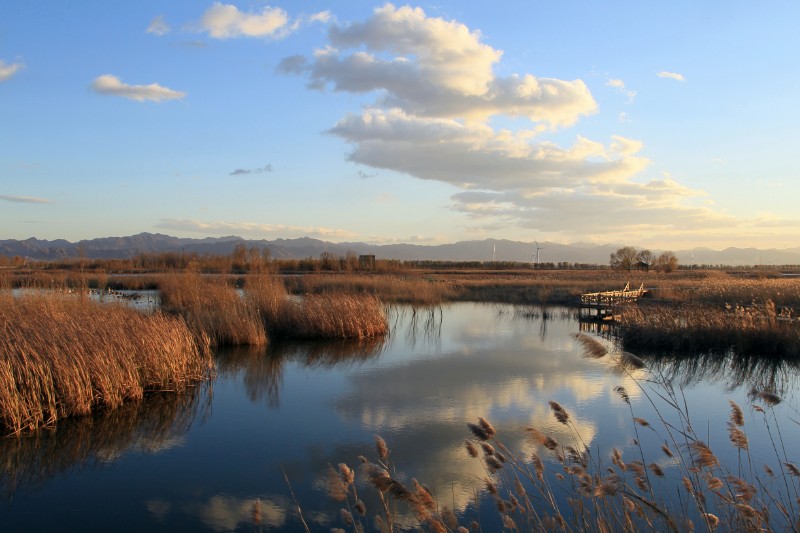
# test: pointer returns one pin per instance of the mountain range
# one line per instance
(477, 250)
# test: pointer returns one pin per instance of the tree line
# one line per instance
(629, 258)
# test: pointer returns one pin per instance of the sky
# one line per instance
(657, 124)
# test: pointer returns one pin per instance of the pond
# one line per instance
(246, 450)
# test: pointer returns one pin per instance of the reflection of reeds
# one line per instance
(62, 356)
(735, 370)
(151, 425)
(261, 368)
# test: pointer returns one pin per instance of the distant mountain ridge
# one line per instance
(477, 250)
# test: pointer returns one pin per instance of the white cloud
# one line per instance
(323, 16)
(7, 70)
(111, 85)
(158, 26)
(24, 199)
(224, 21)
(619, 85)
(436, 68)
(473, 155)
(254, 228)
(671, 75)
(435, 90)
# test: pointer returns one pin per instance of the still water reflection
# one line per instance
(237, 452)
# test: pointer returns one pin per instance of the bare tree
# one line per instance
(624, 259)
(667, 262)
(646, 257)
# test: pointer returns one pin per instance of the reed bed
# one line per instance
(417, 289)
(334, 316)
(212, 308)
(755, 329)
(63, 356)
(679, 484)
(315, 316)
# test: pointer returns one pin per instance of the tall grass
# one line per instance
(334, 316)
(213, 308)
(62, 356)
(697, 328)
(391, 288)
(315, 316)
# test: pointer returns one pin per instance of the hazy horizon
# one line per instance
(660, 126)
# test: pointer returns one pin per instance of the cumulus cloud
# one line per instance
(671, 75)
(254, 229)
(244, 171)
(7, 70)
(111, 85)
(476, 156)
(24, 199)
(158, 26)
(225, 21)
(435, 90)
(436, 68)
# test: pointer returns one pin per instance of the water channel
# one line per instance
(245, 450)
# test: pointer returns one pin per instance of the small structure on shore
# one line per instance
(602, 305)
(366, 262)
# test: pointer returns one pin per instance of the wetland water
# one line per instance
(214, 459)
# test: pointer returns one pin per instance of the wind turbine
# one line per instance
(494, 253)
(537, 253)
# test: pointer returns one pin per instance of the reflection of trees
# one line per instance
(262, 368)
(153, 424)
(762, 373)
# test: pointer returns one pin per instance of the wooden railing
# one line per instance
(610, 298)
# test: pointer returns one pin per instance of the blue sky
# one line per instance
(666, 125)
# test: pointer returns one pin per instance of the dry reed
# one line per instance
(695, 328)
(62, 356)
(213, 308)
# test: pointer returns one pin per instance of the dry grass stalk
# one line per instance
(63, 356)
(332, 316)
(213, 308)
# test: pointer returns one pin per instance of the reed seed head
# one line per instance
(486, 427)
(656, 469)
(559, 412)
(380, 445)
(711, 519)
(471, 449)
(767, 397)
(737, 416)
(478, 431)
(620, 390)
(703, 455)
(543, 439)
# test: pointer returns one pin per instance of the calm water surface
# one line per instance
(206, 460)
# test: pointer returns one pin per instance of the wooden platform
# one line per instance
(604, 304)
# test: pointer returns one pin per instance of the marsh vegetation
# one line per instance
(65, 353)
